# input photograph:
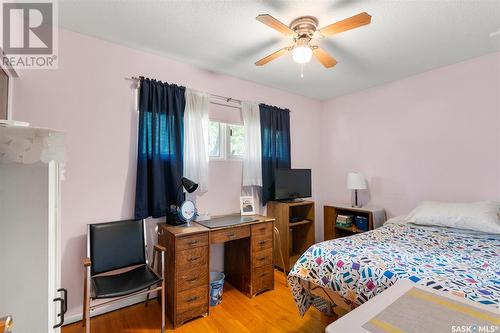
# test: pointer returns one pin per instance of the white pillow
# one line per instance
(400, 219)
(480, 216)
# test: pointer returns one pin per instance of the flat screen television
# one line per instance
(292, 184)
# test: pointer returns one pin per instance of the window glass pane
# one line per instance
(4, 92)
(214, 139)
(237, 140)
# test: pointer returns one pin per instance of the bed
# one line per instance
(349, 271)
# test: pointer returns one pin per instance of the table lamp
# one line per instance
(356, 181)
(173, 214)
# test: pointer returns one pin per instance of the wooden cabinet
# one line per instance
(295, 223)
(192, 241)
(262, 254)
(248, 264)
(245, 258)
(186, 272)
(229, 234)
(376, 217)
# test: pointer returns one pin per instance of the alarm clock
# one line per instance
(186, 212)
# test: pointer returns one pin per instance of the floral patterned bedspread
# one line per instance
(361, 266)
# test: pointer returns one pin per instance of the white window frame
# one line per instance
(11, 74)
(225, 143)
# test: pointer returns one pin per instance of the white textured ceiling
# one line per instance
(405, 37)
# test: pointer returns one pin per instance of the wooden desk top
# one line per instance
(195, 228)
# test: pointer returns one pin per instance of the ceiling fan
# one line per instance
(304, 30)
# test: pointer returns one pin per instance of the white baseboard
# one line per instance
(115, 306)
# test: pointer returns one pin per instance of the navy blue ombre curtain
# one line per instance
(159, 160)
(275, 136)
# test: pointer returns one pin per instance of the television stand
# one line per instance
(292, 200)
(295, 223)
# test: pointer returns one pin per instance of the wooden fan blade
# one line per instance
(275, 24)
(347, 24)
(272, 56)
(324, 58)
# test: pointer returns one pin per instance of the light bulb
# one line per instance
(302, 54)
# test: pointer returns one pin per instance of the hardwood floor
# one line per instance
(272, 311)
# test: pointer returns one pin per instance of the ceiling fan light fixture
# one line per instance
(302, 52)
(304, 30)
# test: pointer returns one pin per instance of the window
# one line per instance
(4, 94)
(236, 141)
(226, 141)
(214, 139)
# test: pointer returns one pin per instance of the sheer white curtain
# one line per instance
(196, 138)
(252, 160)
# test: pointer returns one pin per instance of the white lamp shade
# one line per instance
(302, 54)
(356, 181)
(302, 51)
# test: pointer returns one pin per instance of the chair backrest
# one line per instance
(115, 245)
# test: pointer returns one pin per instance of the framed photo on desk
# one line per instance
(247, 205)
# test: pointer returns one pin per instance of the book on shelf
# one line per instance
(342, 223)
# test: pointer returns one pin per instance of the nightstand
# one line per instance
(376, 217)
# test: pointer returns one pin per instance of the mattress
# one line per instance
(359, 267)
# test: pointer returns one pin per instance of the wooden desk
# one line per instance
(248, 257)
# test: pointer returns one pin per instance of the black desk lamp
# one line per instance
(188, 184)
(190, 187)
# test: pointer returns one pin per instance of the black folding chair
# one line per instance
(117, 268)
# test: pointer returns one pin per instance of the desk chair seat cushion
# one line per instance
(124, 284)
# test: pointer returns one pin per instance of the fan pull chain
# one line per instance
(301, 71)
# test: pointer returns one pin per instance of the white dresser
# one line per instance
(30, 228)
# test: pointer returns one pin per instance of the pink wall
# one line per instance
(90, 98)
(431, 136)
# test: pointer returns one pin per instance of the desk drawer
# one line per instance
(191, 278)
(262, 229)
(262, 279)
(262, 258)
(191, 303)
(189, 242)
(226, 235)
(193, 258)
(262, 242)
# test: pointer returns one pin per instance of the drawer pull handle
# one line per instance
(193, 242)
(192, 279)
(262, 229)
(261, 258)
(262, 275)
(231, 235)
(192, 299)
(262, 242)
(193, 258)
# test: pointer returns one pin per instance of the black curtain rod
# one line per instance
(224, 98)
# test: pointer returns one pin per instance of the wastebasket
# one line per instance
(216, 287)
